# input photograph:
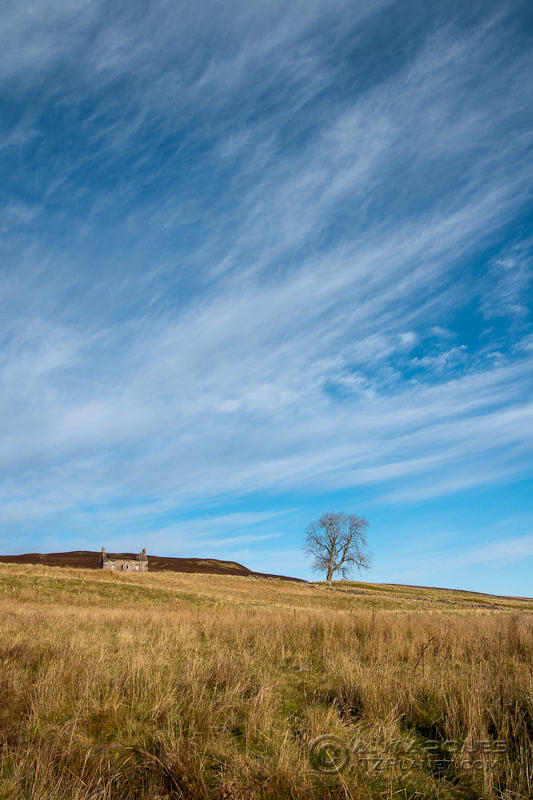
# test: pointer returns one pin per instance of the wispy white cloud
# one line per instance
(491, 554)
(510, 274)
(243, 279)
(506, 551)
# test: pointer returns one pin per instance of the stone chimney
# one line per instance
(142, 555)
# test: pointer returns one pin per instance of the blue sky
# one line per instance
(264, 260)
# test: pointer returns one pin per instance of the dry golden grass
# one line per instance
(195, 686)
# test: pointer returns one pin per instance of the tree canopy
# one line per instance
(337, 543)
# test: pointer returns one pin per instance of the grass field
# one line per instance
(170, 685)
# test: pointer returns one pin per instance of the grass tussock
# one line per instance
(168, 686)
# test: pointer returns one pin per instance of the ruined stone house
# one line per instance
(124, 563)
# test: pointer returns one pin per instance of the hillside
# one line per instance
(374, 595)
(55, 572)
(89, 559)
(171, 685)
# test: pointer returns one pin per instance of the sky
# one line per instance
(263, 260)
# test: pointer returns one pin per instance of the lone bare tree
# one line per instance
(337, 542)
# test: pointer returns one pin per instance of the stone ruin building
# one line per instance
(123, 563)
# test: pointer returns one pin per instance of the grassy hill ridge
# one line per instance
(45, 583)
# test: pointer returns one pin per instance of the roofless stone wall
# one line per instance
(120, 564)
